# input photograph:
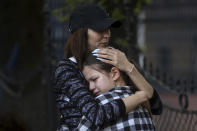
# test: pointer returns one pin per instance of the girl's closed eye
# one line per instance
(93, 78)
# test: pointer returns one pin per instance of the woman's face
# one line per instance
(98, 39)
(99, 82)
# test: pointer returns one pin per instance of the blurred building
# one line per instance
(168, 36)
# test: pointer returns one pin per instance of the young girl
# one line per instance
(109, 83)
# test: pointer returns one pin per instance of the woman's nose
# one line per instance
(107, 33)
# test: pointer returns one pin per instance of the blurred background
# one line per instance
(159, 35)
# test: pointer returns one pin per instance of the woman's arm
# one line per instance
(142, 84)
(139, 81)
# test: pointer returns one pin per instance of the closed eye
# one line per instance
(93, 79)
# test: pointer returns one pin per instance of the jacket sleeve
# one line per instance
(71, 83)
(156, 104)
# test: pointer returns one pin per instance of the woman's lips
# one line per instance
(105, 44)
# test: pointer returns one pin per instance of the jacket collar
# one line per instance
(73, 59)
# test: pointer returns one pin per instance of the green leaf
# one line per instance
(121, 42)
(64, 18)
(118, 14)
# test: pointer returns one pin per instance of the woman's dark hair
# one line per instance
(91, 60)
(77, 46)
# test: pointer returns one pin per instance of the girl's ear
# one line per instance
(115, 73)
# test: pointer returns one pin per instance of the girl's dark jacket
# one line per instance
(75, 100)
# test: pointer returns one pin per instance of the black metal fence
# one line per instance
(173, 118)
(176, 120)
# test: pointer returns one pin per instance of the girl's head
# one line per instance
(102, 77)
(89, 25)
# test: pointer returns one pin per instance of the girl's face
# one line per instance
(99, 82)
(98, 39)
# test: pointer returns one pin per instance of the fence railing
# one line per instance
(173, 118)
(176, 120)
(167, 81)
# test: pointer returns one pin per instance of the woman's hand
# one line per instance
(117, 58)
(114, 57)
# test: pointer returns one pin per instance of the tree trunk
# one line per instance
(131, 30)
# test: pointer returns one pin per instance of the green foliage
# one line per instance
(102, 3)
(140, 4)
(115, 8)
(118, 14)
(70, 5)
(59, 13)
(121, 42)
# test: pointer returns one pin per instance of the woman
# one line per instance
(89, 26)
(109, 83)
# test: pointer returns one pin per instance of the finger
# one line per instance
(106, 61)
(106, 51)
(113, 51)
(104, 56)
(108, 54)
(117, 51)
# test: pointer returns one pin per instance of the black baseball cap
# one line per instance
(91, 16)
